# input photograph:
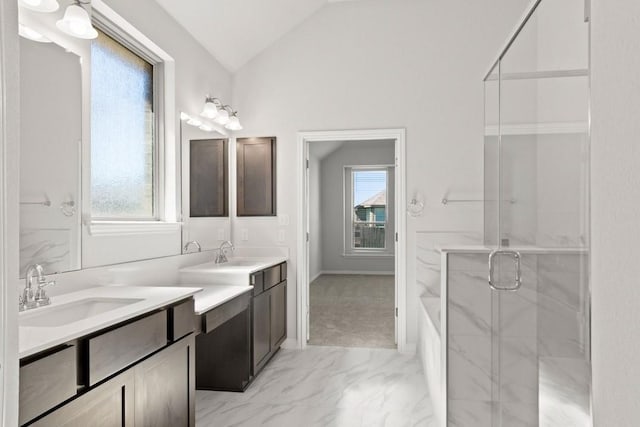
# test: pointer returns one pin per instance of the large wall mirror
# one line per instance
(58, 226)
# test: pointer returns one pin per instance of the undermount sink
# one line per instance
(53, 316)
(237, 263)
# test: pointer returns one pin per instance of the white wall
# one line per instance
(381, 64)
(615, 208)
(315, 223)
(332, 199)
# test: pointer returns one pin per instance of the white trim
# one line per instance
(9, 211)
(290, 344)
(128, 228)
(356, 272)
(302, 282)
(409, 348)
(368, 254)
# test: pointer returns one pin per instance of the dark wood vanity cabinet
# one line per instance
(256, 176)
(138, 373)
(269, 317)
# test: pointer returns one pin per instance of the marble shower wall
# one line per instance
(497, 341)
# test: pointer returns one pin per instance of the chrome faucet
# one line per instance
(194, 243)
(222, 256)
(30, 299)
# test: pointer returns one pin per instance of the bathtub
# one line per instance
(429, 350)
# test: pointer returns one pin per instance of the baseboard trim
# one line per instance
(367, 272)
(290, 344)
(315, 277)
(408, 348)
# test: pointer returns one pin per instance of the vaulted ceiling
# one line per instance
(234, 31)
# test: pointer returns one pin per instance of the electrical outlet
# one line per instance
(281, 236)
(221, 234)
(283, 219)
(244, 234)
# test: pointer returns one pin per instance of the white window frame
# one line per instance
(349, 213)
(165, 157)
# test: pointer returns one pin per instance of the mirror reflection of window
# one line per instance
(123, 137)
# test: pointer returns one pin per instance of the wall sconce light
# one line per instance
(203, 125)
(76, 22)
(220, 113)
(45, 6)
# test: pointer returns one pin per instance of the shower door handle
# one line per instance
(518, 277)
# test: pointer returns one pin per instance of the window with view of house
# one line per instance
(123, 138)
(367, 213)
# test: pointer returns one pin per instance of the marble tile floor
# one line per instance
(352, 311)
(326, 386)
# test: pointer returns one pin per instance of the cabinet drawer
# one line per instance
(226, 311)
(115, 350)
(257, 281)
(46, 382)
(271, 277)
(181, 320)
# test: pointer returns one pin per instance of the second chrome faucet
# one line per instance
(222, 256)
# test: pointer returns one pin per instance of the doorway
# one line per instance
(351, 276)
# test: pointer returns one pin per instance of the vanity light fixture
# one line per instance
(31, 34)
(203, 125)
(45, 6)
(76, 22)
(220, 113)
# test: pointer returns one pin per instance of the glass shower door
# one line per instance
(536, 220)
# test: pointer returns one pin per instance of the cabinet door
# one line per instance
(256, 175)
(108, 405)
(208, 172)
(261, 328)
(165, 387)
(278, 314)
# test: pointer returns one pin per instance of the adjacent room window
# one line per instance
(124, 144)
(367, 211)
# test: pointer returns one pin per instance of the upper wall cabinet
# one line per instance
(208, 183)
(256, 174)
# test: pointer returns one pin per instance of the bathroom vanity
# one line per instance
(126, 361)
(242, 325)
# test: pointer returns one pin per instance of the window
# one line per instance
(367, 210)
(124, 144)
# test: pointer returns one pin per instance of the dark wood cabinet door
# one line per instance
(165, 387)
(261, 328)
(256, 177)
(278, 314)
(208, 178)
(109, 405)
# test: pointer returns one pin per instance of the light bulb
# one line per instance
(210, 110)
(223, 117)
(76, 23)
(234, 123)
(45, 6)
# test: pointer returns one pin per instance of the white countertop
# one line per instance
(213, 296)
(234, 272)
(33, 339)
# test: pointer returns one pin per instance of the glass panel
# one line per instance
(491, 156)
(369, 208)
(122, 132)
(540, 362)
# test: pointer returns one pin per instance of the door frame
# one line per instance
(302, 283)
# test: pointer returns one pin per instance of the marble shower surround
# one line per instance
(352, 311)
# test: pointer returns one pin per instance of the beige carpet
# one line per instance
(352, 311)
